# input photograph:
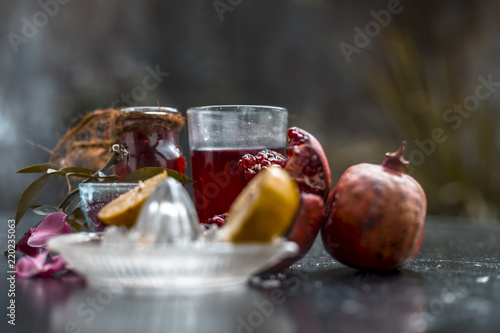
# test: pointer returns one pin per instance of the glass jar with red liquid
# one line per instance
(151, 135)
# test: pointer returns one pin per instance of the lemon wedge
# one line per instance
(264, 210)
(125, 209)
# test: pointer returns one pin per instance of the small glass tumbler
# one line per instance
(94, 196)
(151, 135)
(219, 136)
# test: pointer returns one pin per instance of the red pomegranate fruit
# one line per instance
(375, 215)
(305, 227)
(306, 162)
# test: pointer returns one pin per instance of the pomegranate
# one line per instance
(375, 215)
(308, 165)
(306, 162)
(305, 227)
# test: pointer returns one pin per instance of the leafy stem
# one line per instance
(117, 153)
(69, 204)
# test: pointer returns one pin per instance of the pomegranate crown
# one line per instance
(395, 161)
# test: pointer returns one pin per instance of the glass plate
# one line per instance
(173, 268)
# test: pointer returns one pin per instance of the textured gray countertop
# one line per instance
(452, 286)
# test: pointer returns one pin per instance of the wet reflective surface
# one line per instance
(452, 286)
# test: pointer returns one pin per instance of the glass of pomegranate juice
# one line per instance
(219, 136)
(151, 134)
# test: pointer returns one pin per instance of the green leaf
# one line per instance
(73, 172)
(143, 174)
(110, 178)
(75, 224)
(73, 204)
(46, 210)
(148, 172)
(29, 195)
(78, 214)
(78, 170)
(39, 168)
(179, 176)
(82, 175)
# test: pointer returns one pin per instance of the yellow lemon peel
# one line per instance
(125, 209)
(264, 210)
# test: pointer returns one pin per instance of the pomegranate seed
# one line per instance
(296, 138)
(218, 220)
(250, 165)
(315, 162)
(309, 170)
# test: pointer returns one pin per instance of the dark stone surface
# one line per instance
(452, 286)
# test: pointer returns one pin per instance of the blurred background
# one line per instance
(360, 75)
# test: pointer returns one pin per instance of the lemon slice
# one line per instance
(264, 210)
(124, 210)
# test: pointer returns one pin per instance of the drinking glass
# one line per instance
(94, 196)
(218, 137)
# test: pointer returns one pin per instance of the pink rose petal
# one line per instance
(38, 266)
(34, 240)
(31, 266)
(52, 225)
(52, 266)
(23, 247)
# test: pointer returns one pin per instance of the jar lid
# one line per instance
(150, 109)
(151, 118)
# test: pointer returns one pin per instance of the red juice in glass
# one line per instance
(152, 139)
(92, 210)
(218, 180)
(219, 136)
